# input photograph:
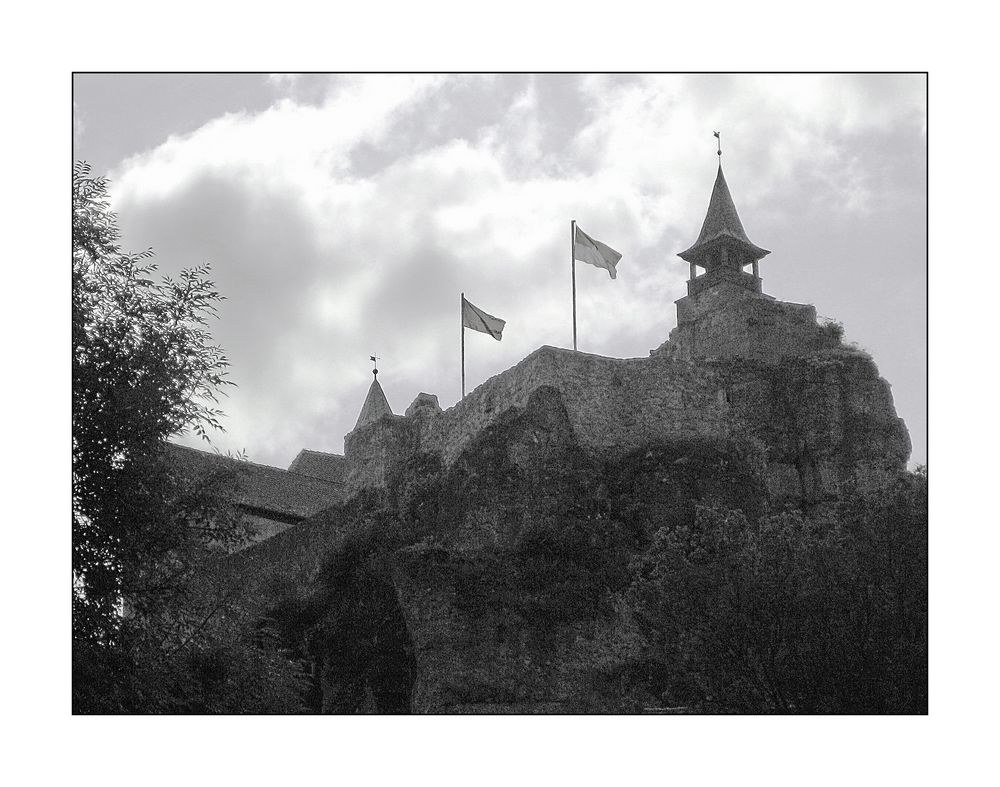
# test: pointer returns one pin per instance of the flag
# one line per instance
(480, 321)
(586, 249)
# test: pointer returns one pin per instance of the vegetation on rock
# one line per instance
(531, 575)
(817, 613)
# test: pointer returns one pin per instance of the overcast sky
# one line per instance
(343, 215)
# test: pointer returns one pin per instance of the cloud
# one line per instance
(349, 222)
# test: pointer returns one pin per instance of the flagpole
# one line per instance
(572, 264)
(461, 314)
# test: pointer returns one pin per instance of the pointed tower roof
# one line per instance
(721, 222)
(375, 406)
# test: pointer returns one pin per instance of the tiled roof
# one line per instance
(721, 221)
(267, 489)
(375, 406)
(329, 467)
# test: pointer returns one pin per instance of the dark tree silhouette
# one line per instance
(144, 368)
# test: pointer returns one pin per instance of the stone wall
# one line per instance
(727, 321)
(817, 420)
(615, 405)
(375, 450)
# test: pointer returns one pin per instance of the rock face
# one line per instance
(516, 605)
(495, 628)
(506, 549)
(495, 538)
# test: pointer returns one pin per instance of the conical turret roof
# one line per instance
(375, 406)
(721, 222)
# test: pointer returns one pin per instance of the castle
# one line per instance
(740, 366)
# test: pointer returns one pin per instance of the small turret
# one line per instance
(376, 405)
(723, 248)
(725, 314)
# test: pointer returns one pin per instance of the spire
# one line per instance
(722, 227)
(375, 406)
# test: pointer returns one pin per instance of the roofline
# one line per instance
(698, 248)
(240, 462)
(320, 453)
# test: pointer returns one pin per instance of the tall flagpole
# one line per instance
(572, 263)
(461, 313)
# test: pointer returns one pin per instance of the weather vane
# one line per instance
(718, 136)
(374, 360)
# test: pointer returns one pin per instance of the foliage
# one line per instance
(143, 369)
(716, 603)
(351, 627)
(834, 330)
(826, 613)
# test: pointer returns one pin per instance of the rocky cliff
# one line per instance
(496, 551)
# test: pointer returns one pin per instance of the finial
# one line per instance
(374, 361)
(718, 136)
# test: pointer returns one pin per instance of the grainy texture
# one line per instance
(509, 522)
(318, 464)
(727, 321)
(819, 418)
(265, 491)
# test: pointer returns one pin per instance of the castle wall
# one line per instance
(818, 420)
(726, 321)
(615, 405)
(375, 450)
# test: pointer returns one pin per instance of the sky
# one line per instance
(343, 215)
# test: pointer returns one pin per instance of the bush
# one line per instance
(793, 614)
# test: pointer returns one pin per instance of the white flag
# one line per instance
(586, 249)
(480, 321)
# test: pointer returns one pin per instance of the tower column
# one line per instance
(694, 270)
(755, 274)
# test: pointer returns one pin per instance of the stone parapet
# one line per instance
(720, 274)
(731, 321)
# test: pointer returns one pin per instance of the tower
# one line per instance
(723, 248)
(375, 406)
(380, 440)
(725, 313)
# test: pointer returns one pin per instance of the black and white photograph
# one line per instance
(500, 393)
(533, 393)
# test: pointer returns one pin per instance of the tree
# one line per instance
(824, 613)
(144, 368)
